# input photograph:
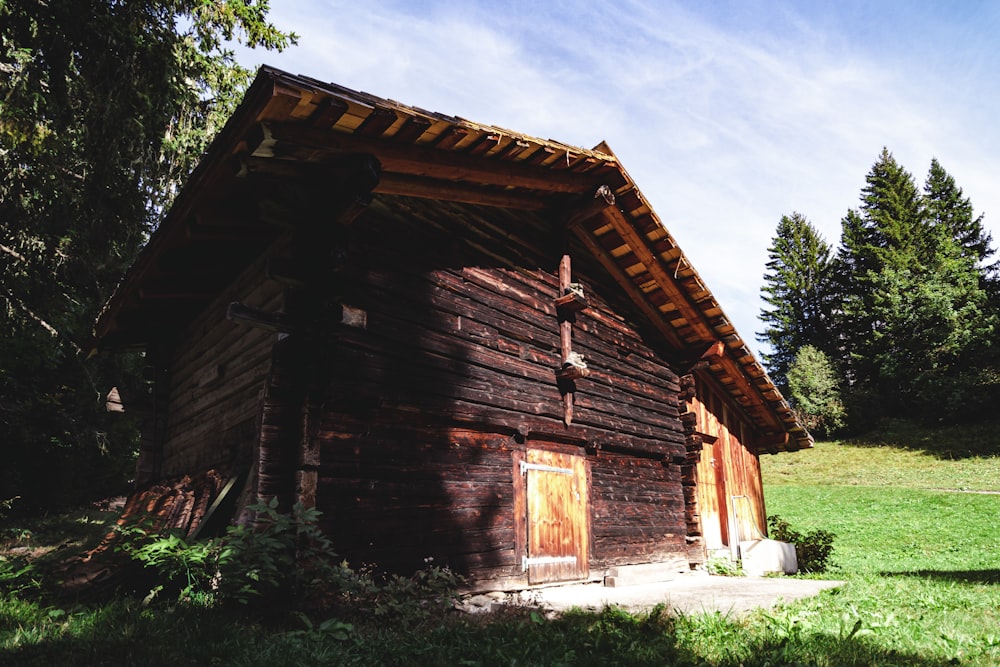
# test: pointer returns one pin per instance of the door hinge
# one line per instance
(545, 560)
(525, 467)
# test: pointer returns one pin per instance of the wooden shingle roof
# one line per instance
(293, 127)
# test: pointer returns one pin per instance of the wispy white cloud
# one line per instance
(728, 115)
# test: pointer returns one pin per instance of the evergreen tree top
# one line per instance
(951, 214)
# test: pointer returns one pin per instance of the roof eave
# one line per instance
(287, 122)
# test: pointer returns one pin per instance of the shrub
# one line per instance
(812, 549)
(173, 563)
(412, 600)
(17, 574)
(283, 562)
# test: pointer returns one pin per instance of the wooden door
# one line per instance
(558, 513)
(711, 497)
(720, 461)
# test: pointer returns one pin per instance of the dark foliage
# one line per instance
(106, 107)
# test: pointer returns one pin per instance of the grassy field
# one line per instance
(916, 545)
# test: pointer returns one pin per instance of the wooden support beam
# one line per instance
(566, 340)
(210, 259)
(603, 205)
(307, 474)
(715, 350)
(753, 394)
(591, 207)
(159, 293)
(771, 443)
(352, 209)
(270, 139)
(573, 367)
(379, 120)
(249, 166)
(305, 195)
(361, 168)
(287, 272)
(700, 360)
(640, 246)
(430, 188)
(244, 233)
(565, 324)
(654, 316)
(198, 286)
(571, 303)
(258, 318)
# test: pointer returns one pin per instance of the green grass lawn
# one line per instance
(917, 549)
(917, 544)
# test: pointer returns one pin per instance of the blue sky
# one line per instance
(728, 115)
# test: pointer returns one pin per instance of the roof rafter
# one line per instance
(265, 140)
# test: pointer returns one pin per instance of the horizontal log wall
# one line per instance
(454, 370)
(638, 510)
(216, 376)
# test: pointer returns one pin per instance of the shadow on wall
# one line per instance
(419, 418)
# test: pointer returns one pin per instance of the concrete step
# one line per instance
(644, 573)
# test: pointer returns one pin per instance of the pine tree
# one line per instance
(887, 233)
(796, 288)
(961, 341)
(951, 213)
(891, 208)
(912, 315)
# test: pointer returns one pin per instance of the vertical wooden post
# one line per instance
(572, 367)
(566, 335)
(307, 475)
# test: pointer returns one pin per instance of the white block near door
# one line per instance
(762, 557)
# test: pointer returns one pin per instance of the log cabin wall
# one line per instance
(216, 375)
(442, 378)
(730, 496)
(417, 368)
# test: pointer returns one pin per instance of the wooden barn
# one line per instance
(457, 341)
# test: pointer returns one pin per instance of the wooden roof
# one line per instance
(292, 128)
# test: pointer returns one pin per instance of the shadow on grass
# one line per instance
(124, 633)
(957, 576)
(38, 551)
(950, 442)
(119, 633)
(76, 528)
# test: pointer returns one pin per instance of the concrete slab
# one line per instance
(690, 593)
(646, 573)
